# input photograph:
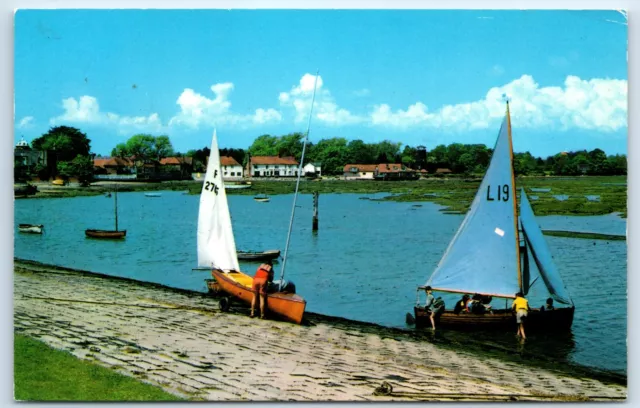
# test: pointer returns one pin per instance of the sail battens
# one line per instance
(541, 253)
(216, 244)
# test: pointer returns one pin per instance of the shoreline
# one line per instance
(586, 195)
(140, 326)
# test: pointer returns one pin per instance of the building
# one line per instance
(443, 171)
(25, 160)
(395, 171)
(272, 166)
(312, 169)
(231, 169)
(176, 167)
(113, 166)
(360, 171)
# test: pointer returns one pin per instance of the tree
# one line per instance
(409, 156)
(62, 144)
(359, 152)
(66, 142)
(265, 145)
(80, 167)
(332, 153)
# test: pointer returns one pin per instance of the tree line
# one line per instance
(69, 155)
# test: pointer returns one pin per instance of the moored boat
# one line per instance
(489, 256)
(271, 254)
(262, 198)
(31, 228)
(105, 234)
(108, 234)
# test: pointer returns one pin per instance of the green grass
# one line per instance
(42, 373)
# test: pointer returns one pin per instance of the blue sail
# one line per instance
(484, 255)
(541, 254)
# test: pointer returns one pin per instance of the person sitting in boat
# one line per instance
(461, 305)
(486, 303)
(548, 305)
(521, 308)
(264, 275)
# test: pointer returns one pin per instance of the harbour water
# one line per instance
(364, 263)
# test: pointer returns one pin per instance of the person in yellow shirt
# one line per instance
(521, 308)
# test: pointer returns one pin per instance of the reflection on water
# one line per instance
(364, 263)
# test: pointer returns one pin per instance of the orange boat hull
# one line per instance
(285, 305)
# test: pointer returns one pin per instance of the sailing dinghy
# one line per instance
(217, 249)
(489, 255)
(108, 234)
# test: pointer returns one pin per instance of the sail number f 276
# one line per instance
(499, 192)
(210, 185)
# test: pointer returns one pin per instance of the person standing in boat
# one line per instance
(521, 307)
(264, 275)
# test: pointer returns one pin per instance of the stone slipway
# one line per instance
(181, 341)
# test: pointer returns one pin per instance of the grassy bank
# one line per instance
(42, 373)
(454, 193)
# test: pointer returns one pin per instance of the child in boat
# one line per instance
(548, 306)
(461, 305)
(521, 308)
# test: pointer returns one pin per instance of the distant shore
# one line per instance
(585, 195)
(180, 340)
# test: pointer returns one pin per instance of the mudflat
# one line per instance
(181, 341)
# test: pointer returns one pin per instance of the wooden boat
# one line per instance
(262, 198)
(105, 234)
(489, 255)
(259, 256)
(217, 249)
(108, 234)
(237, 186)
(31, 228)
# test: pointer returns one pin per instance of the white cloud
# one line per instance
(197, 110)
(324, 109)
(25, 122)
(596, 104)
(86, 110)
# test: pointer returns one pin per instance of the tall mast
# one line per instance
(116, 206)
(515, 204)
(295, 195)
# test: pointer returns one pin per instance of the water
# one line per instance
(363, 264)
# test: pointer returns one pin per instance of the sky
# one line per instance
(419, 77)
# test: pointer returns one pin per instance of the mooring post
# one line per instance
(315, 211)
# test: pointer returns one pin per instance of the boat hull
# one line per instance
(105, 234)
(262, 200)
(258, 256)
(557, 320)
(31, 228)
(237, 284)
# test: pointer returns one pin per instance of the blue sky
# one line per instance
(413, 76)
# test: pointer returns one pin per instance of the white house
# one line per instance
(272, 166)
(312, 169)
(360, 171)
(231, 169)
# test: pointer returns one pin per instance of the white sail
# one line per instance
(541, 253)
(216, 245)
(483, 256)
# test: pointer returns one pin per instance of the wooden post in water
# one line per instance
(315, 211)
